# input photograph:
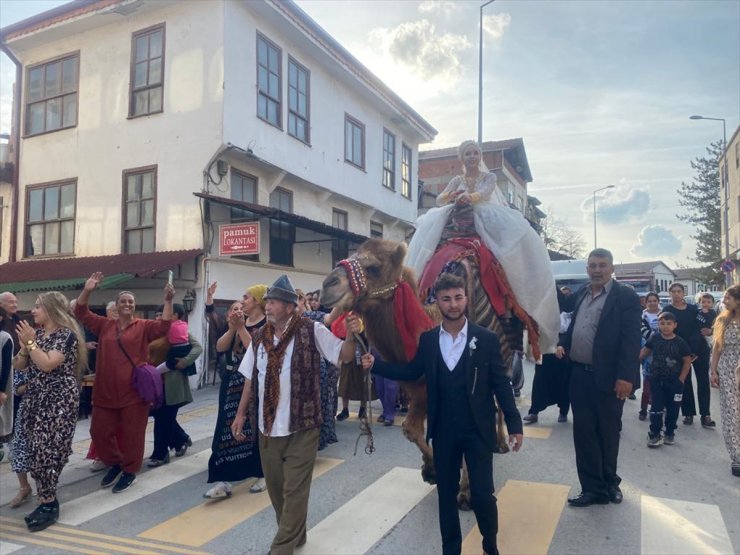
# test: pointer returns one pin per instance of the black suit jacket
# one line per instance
(616, 354)
(485, 376)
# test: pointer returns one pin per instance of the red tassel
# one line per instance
(410, 318)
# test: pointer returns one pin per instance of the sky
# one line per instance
(600, 91)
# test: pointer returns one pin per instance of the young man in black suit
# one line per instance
(603, 344)
(463, 367)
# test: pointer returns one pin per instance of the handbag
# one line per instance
(146, 381)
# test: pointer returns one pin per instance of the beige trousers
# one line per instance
(287, 463)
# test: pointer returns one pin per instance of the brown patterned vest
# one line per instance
(305, 391)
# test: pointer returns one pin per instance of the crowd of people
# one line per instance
(284, 361)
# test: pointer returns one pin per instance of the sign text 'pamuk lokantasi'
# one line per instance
(239, 239)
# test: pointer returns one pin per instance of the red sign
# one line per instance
(239, 239)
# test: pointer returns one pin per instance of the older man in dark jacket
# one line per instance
(603, 344)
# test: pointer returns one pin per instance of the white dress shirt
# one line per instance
(328, 345)
(452, 349)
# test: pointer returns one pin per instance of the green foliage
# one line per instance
(700, 200)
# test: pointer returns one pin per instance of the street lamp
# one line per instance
(480, 75)
(596, 191)
(188, 300)
(726, 218)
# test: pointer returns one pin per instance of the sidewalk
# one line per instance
(198, 419)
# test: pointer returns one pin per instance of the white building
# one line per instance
(145, 125)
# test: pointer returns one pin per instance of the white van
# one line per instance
(570, 273)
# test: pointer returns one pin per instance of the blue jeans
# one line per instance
(665, 393)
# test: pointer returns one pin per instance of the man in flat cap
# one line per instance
(282, 384)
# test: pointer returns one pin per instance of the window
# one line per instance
(50, 219)
(298, 101)
(339, 247)
(405, 171)
(243, 188)
(147, 71)
(139, 196)
(389, 160)
(51, 98)
(354, 142)
(376, 230)
(269, 83)
(282, 234)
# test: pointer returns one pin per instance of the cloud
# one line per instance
(442, 7)
(613, 207)
(418, 46)
(656, 240)
(495, 24)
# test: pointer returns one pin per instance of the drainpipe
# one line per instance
(15, 133)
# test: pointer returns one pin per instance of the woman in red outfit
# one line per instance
(120, 415)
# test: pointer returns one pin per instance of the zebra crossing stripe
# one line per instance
(671, 526)
(6, 548)
(363, 521)
(528, 514)
(96, 539)
(205, 522)
(102, 501)
(64, 548)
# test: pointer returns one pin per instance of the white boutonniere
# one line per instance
(471, 345)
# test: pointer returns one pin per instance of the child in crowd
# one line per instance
(670, 366)
(177, 337)
(648, 327)
(706, 316)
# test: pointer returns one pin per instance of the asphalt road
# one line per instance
(677, 499)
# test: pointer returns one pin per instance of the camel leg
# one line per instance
(413, 427)
(463, 495)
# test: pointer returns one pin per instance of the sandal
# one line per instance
(23, 496)
(259, 486)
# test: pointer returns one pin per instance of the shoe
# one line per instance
(222, 490)
(259, 486)
(530, 419)
(344, 415)
(654, 441)
(615, 494)
(562, 417)
(517, 393)
(643, 415)
(735, 469)
(587, 499)
(388, 422)
(669, 439)
(632, 397)
(154, 463)
(111, 476)
(707, 422)
(182, 450)
(22, 497)
(361, 413)
(44, 516)
(380, 419)
(97, 465)
(688, 420)
(124, 482)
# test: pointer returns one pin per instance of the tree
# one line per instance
(559, 236)
(700, 199)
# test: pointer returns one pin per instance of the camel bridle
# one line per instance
(358, 279)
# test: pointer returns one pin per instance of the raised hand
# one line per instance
(169, 292)
(236, 321)
(25, 332)
(93, 281)
(212, 289)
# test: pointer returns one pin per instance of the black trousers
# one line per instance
(701, 371)
(449, 448)
(550, 385)
(597, 419)
(167, 432)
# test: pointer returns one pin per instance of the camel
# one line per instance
(369, 283)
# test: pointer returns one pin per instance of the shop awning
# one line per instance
(57, 274)
(275, 214)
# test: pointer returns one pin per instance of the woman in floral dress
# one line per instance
(55, 354)
(725, 365)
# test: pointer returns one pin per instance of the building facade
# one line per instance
(729, 171)
(141, 134)
(653, 275)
